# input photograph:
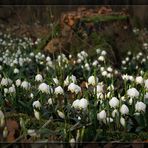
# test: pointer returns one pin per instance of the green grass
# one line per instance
(104, 18)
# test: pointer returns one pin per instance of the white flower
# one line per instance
(124, 109)
(101, 58)
(16, 71)
(72, 142)
(25, 85)
(146, 95)
(70, 79)
(108, 120)
(44, 88)
(139, 80)
(101, 115)
(31, 132)
(4, 82)
(146, 84)
(38, 78)
(115, 113)
(103, 53)
(83, 103)
(109, 69)
(18, 82)
(56, 81)
(6, 90)
(5, 132)
(132, 92)
(37, 114)
(36, 104)
(104, 73)
(75, 104)
(61, 115)
(59, 90)
(74, 88)
(31, 95)
(92, 80)
(2, 119)
(50, 102)
(130, 101)
(12, 89)
(140, 106)
(99, 88)
(122, 121)
(114, 102)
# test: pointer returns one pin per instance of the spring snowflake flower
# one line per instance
(83, 103)
(101, 115)
(61, 114)
(115, 113)
(44, 88)
(109, 69)
(92, 80)
(140, 106)
(70, 79)
(139, 80)
(75, 104)
(56, 81)
(59, 90)
(104, 73)
(80, 104)
(99, 88)
(5, 81)
(122, 121)
(124, 109)
(101, 58)
(146, 84)
(26, 85)
(12, 89)
(132, 92)
(72, 142)
(36, 104)
(50, 102)
(74, 88)
(103, 53)
(18, 82)
(108, 120)
(38, 78)
(16, 71)
(2, 119)
(37, 114)
(114, 102)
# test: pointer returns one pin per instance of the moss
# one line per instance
(104, 18)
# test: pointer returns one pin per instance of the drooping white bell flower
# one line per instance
(59, 90)
(36, 104)
(16, 71)
(92, 80)
(140, 106)
(26, 85)
(74, 88)
(101, 115)
(44, 88)
(114, 102)
(124, 109)
(139, 80)
(132, 92)
(61, 114)
(115, 113)
(37, 114)
(83, 103)
(146, 84)
(38, 78)
(2, 119)
(18, 82)
(56, 81)
(122, 121)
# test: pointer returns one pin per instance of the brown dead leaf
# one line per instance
(12, 127)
